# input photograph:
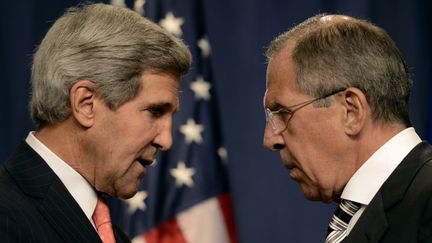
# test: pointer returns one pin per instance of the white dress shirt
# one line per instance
(369, 178)
(78, 187)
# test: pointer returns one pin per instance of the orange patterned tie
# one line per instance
(101, 218)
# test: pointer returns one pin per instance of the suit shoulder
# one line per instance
(12, 196)
(13, 207)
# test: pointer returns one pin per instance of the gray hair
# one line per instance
(110, 46)
(336, 51)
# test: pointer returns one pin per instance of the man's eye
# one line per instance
(156, 112)
(284, 113)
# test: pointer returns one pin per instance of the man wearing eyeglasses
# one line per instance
(336, 106)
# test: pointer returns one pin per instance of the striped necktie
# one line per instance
(337, 229)
(101, 218)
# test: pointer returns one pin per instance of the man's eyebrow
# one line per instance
(166, 106)
(274, 106)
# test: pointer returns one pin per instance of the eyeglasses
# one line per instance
(279, 119)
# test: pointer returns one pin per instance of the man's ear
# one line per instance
(357, 109)
(82, 98)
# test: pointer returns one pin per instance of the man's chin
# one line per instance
(126, 192)
(126, 195)
(314, 195)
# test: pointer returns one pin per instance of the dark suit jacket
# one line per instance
(401, 211)
(35, 206)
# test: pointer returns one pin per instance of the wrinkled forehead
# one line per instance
(280, 79)
(281, 69)
(281, 62)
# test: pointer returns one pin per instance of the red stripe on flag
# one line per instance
(228, 213)
(168, 232)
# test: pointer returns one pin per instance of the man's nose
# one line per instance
(272, 141)
(164, 139)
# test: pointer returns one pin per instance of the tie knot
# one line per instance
(347, 209)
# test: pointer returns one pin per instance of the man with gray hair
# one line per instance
(105, 86)
(336, 104)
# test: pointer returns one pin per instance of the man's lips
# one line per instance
(293, 171)
(145, 162)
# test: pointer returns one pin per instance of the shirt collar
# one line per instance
(369, 178)
(78, 187)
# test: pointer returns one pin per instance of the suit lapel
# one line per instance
(50, 196)
(65, 215)
(120, 235)
(373, 223)
(396, 186)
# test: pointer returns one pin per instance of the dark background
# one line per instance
(269, 206)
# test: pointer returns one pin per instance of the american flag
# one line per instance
(184, 197)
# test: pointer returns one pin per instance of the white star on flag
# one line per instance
(192, 131)
(223, 153)
(183, 175)
(172, 24)
(137, 202)
(201, 88)
(204, 45)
